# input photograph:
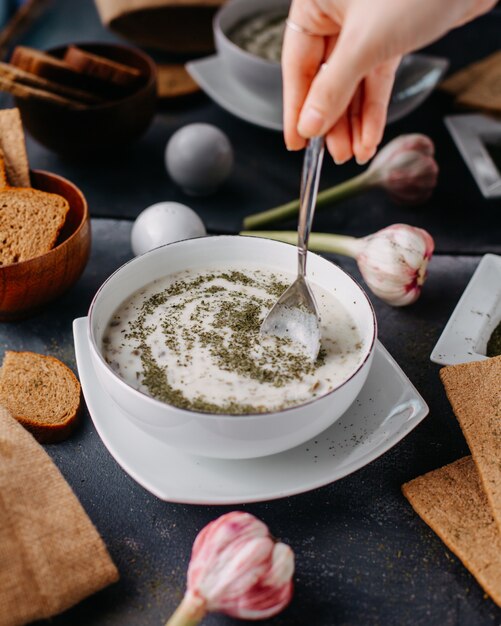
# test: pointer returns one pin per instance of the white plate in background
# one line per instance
(476, 315)
(417, 76)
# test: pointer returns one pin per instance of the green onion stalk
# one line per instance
(405, 168)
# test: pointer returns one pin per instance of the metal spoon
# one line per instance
(295, 314)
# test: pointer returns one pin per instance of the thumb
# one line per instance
(333, 88)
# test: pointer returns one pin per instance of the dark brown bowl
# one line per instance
(90, 131)
(26, 286)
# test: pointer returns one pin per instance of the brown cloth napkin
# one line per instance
(183, 26)
(51, 555)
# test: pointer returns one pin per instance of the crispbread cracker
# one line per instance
(485, 92)
(466, 77)
(452, 502)
(474, 391)
(13, 148)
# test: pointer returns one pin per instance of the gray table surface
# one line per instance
(362, 556)
(265, 174)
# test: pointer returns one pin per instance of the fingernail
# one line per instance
(361, 161)
(310, 122)
(370, 154)
(340, 161)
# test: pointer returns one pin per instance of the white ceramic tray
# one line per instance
(477, 313)
(386, 410)
(471, 132)
(416, 78)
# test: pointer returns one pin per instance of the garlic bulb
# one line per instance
(406, 169)
(393, 261)
(236, 568)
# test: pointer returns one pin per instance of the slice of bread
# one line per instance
(102, 68)
(42, 393)
(16, 74)
(13, 148)
(30, 221)
(27, 92)
(52, 68)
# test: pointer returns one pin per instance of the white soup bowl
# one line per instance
(229, 436)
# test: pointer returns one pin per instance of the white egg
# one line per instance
(163, 223)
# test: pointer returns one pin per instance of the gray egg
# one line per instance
(199, 157)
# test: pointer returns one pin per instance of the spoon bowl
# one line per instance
(295, 314)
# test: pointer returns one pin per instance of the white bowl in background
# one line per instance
(255, 74)
(229, 436)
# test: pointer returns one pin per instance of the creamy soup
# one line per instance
(261, 35)
(192, 340)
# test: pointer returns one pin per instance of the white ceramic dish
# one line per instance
(385, 411)
(477, 313)
(471, 132)
(226, 436)
(416, 78)
(253, 74)
(210, 74)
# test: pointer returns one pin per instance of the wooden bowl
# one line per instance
(95, 129)
(26, 286)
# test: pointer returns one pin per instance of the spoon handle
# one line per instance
(309, 187)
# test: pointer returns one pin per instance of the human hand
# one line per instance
(360, 44)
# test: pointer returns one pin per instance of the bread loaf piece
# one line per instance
(102, 68)
(27, 92)
(16, 74)
(14, 149)
(42, 393)
(52, 68)
(30, 221)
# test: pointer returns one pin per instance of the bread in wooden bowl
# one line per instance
(30, 220)
(27, 285)
(100, 128)
(44, 228)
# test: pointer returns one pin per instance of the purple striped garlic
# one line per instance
(406, 169)
(236, 568)
(393, 261)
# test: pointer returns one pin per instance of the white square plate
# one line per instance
(477, 313)
(386, 410)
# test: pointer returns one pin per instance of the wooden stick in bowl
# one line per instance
(18, 75)
(29, 93)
